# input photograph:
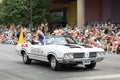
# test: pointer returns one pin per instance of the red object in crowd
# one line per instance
(12, 27)
(111, 39)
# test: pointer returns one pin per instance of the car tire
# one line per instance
(91, 66)
(26, 59)
(54, 65)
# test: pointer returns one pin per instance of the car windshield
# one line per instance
(59, 40)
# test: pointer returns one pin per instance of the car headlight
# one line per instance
(68, 55)
(101, 54)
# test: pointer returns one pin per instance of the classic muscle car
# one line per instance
(61, 50)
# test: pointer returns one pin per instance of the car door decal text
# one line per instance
(36, 51)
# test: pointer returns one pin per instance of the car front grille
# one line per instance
(93, 55)
(79, 55)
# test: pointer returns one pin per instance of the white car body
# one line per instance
(63, 53)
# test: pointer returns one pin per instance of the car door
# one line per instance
(37, 52)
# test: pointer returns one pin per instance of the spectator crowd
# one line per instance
(103, 35)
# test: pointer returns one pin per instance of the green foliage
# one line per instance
(18, 11)
(14, 11)
(56, 17)
(41, 11)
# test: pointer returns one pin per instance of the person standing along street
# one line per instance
(19, 39)
(18, 31)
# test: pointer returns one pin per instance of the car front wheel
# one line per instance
(91, 66)
(54, 65)
(26, 59)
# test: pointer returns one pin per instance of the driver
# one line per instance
(34, 41)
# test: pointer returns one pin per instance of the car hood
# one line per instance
(66, 48)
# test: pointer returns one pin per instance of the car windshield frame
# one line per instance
(59, 40)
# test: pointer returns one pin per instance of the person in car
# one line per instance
(40, 33)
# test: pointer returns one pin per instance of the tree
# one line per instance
(14, 11)
(18, 11)
(41, 11)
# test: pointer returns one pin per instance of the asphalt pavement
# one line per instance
(12, 68)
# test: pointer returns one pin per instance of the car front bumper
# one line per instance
(80, 60)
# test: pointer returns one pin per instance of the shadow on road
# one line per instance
(45, 65)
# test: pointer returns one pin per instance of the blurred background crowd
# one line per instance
(103, 35)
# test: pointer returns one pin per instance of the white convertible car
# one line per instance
(61, 50)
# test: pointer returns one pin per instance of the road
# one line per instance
(12, 68)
